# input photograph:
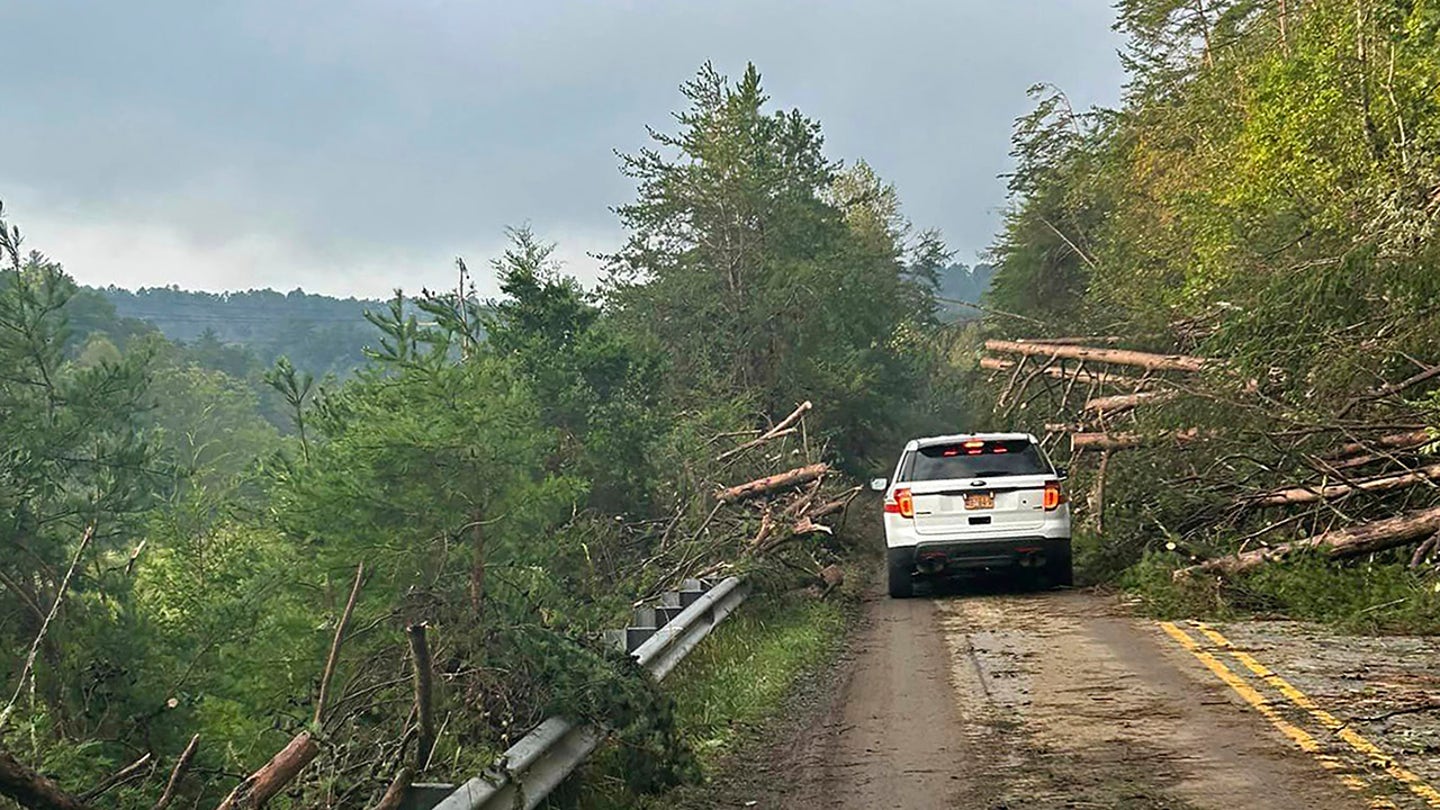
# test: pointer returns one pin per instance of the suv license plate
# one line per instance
(980, 500)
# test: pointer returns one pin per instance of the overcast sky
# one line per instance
(353, 147)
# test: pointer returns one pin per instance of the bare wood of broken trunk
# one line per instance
(129, 773)
(1124, 402)
(785, 428)
(1122, 357)
(394, 796)
(1125, 441)
(181, 766)
(771, 483)
(272, 777)
(32, 789)
(1078, 374)
(1304, 494)
(1348, 542)
(1408, 439)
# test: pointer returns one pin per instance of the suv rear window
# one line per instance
(973, 459)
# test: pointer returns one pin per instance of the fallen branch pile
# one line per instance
(1105, 412)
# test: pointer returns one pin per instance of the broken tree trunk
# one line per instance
(1381, 484)
(394, 797)
(1349, 542)
(1121, 357)
(771, 483)
(1124, 402)
(783, 429)
(181, 766)
(1392, 441)
(261, 786)
(424, 706)
(129, 773)
(1393, 388)
(32, 789)
(1125, 441)
(1099, 378)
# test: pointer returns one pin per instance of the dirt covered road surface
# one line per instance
(1001, 698)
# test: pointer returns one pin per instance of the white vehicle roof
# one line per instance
(930, 441)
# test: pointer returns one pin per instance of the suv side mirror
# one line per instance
(1062, 472)
(879, 484)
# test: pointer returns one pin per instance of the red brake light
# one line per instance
(901, 503)
(950, 451)
(1053, 496)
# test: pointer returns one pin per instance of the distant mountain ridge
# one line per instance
(960, 282)
(319, 333)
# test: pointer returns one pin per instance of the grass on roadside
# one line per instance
(737, 678)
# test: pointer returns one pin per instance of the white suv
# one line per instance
(975, 501)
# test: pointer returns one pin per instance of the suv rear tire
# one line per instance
(901, 566)
(1060, 569)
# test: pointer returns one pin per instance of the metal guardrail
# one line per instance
(525, 774)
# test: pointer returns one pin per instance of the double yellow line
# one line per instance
(1262, 704)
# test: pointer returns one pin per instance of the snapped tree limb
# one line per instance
(1077, 375)
(1122, 357)
(31, 789)
(1124, 402)
(181, 766)
(785, 428)
(1305, 494)
(272, 777)
(1392, 389)
(1390, 441)
(772, 483)
(1340, 543)
(1125, 441)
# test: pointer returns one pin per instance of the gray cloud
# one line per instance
(357, 146)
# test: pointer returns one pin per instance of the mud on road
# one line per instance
(1062, 700)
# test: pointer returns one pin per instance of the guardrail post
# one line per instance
(642, 628)
(690, 590)
(669, 607)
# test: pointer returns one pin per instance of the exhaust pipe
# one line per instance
(1032, 560)
(931, 564)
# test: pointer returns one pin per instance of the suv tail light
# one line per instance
(1053, 496)
(900, 503)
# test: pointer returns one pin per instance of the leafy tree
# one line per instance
(762, 273)
(590, 383)
(77, 475)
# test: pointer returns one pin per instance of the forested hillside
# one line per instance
(1265, 202)
(318, 333)
(494, 485)
(960, 283)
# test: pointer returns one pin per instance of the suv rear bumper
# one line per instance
(950, 556)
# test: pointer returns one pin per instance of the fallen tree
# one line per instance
(32, 789)
(1124, 402)
(772, 483)
(1304, 494)
(1060, 373)
(1391, 441)
(785, 428)
(1125, 441)
(1337, 544)
(1121, 357)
